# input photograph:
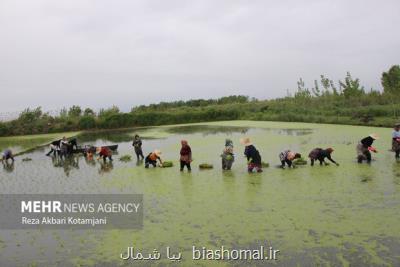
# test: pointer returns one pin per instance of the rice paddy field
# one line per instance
(345, 215)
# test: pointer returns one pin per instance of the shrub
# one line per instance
(87, 122)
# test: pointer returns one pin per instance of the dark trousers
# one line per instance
(254, 166)
(187, 164)
(366, 155)
(321, 161)
(52, 151)
(226, 164)
(149, 162)
(139, 153)
(6, 158)
(288, 162)
(105, 158)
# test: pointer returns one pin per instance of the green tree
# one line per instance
(391, 80)
(351, 87)
(88, 112)
(109, 111)
(87, 122)
(302, 91)
(75, 111)
(3, 129)
(63, 113)
(29, 116)
(316, 91)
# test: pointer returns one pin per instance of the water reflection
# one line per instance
(8, 166)
(187, 184)
(228, 178)
(105, 167)
(207, 129)
(139, 162)
(90, 161)
(112, 136)
(294, 132)
(72, 162)
(213, 130)
(69, 163)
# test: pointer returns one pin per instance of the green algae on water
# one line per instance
(316, 216)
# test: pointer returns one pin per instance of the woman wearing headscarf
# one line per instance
(252, 155)
(227, 155)
(365, 146)
(320, 155)
(185, 155)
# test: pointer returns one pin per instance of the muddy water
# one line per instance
(314, 215)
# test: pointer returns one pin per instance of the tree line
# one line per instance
(342, 102)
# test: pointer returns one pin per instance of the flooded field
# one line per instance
(316, 216)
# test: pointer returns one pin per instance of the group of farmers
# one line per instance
(253, 156)
(155, 156)
(254, 162)
(286, 157)
(62, 147)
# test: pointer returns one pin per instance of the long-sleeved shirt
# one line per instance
(7, 153)
(105, 152)
(252, 154)
(152, 157)
(186, 153)
(56, 143)
(137, 143)
(396, 134)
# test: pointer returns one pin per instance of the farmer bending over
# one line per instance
(152, 158)
(7, 154)
(252, 155)
(320, 155)
(104, 152)
(54, 148)
(287, 157)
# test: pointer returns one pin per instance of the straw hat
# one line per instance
(397, 124)
(245, 141)
(157, 152)
(374, 136)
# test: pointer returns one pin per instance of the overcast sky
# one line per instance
(98, 53)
